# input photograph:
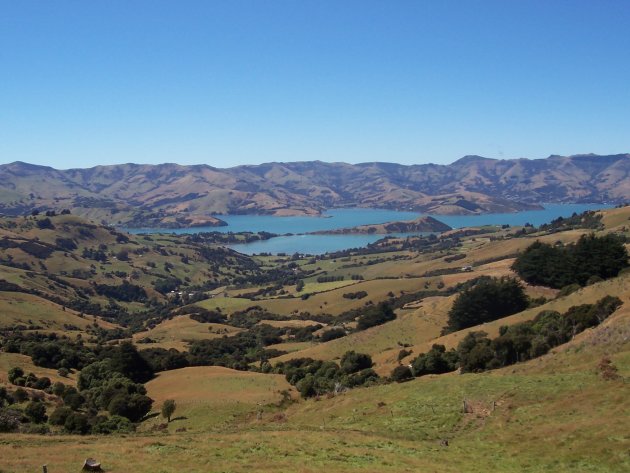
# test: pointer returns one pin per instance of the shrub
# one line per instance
(475, 352)
(15, 373)
(569, 289)
(42, 383)
(73, 400)
(113, 424)
(332, 334)
(59, 415)
(63, 372)
(376, 316)
(401, 373)
(21, 395)
(355, 295)
(45, 223)
(36, 411)
(58, 388)
(435, 361)
(351, 362)
(132, 406)
(67, 244)
(77, 424)
(9, 420)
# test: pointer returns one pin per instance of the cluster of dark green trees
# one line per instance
(592, 258)
(355, 295)
(531, 339)
(515, 343)
(485, 300)
(125, 292)
(113, 384)
(317, 377)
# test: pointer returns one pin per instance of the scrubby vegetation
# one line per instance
(113, 384)
(316, 377)
(516, 343)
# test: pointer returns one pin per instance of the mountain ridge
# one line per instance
(158, 195)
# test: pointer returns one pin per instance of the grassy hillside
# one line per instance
(12, 360)
(34, 311)
(179, 331)
(553, 413)
(212, 397)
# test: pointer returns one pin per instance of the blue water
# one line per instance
(332, 219)
(343, 218)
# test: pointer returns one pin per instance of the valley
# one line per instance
(221, 329)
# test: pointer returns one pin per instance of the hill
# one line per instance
(421, 224)
(212, 397)
(558, 412)
(171, 195)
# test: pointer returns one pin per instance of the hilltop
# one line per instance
(170, 195)
(419, 225)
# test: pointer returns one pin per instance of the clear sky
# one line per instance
(233, 82)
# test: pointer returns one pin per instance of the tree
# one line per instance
(20, 395)
(351, 362)
(132, 406)
(401, 373)
(127, 361)
(376, 316)
(122, 255)
(435, 361)
(109, 425)
(59, 415)
(45, 223)
(15, 373)
(77, 424)
(489, 299)
(168, 408)
(36, 411)
(475, 352)
(558, 266)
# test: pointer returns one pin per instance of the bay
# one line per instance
(344, 218)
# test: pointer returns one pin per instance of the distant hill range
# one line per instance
(171, 195)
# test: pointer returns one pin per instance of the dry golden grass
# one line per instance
(27, 309)
(290, 347)
(334, 303)
(12, 360)
(554, 413)
(211, 397)
(289, 323)
(384, 341)
(614, 219)
(178, 331)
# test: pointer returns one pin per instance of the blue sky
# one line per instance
(234, 82)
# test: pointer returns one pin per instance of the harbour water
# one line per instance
(333, 219)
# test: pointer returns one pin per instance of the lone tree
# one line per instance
(168, 408)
